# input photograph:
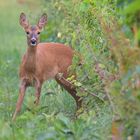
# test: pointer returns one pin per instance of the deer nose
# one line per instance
(33, 40)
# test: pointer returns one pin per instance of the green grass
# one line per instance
(10, 50)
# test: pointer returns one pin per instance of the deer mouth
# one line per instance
(33, 43)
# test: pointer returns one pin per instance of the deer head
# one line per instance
(33, 31)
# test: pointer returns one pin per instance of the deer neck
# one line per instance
(30, 62)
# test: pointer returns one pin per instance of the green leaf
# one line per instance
(133, 7)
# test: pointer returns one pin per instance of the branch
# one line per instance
(60, 76)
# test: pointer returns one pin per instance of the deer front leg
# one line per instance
(22, 90)
(38, 86)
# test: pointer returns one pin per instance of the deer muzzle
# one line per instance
(33, 41)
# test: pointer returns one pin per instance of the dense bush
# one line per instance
(105, 40)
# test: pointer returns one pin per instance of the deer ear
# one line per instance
(23, 20)
(42, 21)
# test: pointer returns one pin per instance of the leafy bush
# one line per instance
(93, 29)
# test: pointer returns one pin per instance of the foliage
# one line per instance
(131, 11)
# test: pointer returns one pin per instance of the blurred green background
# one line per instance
(107, 35)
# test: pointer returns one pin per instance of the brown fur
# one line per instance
(45, 61)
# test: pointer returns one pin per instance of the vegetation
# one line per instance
(106, 35)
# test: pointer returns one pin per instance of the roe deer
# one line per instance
(43, 61)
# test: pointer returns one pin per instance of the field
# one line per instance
(108, 77)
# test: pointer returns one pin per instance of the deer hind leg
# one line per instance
(22, 90)
(70, 88)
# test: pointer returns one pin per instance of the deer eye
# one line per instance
(27, 33)
(38, 33)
